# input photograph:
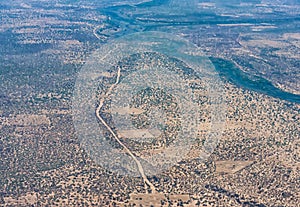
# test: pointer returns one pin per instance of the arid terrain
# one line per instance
(254, 47)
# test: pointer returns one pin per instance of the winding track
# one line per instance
(139, 165)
